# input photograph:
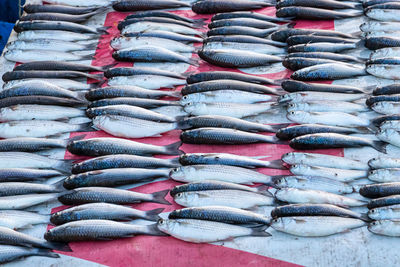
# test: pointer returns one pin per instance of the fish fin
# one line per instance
(174, 161)
(193, 62)
(98, 77)
(159, 197)
(360, 44)
(152, 215)
(363, 130)
(64, 166)
(59, 185)
(47, 253)
(277, 127)
(277, 141)
(276, 164)
(263, 189)
(103, 30)
(153, 230)
(187, 74)
(92, 46)
(94, 85)
(27, 226)
(106, 67)
(260, 231)
(365, 218)
(85, 127)
(173, 94)
(173, 149)
(88, 57)
(58, 246)
(379, 146)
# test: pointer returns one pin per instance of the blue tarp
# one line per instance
(8, 15)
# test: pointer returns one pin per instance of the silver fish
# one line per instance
(151, 82)
(25, 56)
(329, 71)
(39, 112)
(327, 106)
(391, 212)
(232, 96)
(384, 162)
(390, 136)
(328, 118)
(319, 96)
(385, 175)
(55, 34)
(154, 26)
(234, 110)
(385, 227)
(332, 173)
(17, 219)
(11, 253)
(129, 42)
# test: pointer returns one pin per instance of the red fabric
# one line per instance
(168, 251)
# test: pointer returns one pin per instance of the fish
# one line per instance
(314, 183)
(110, 195)
(11, 253)
(145, 5)
(221, 214)
(323, 47)
(247, 22)
(31, 144)
(283, 34)
(156, 26)
(379, 190)
(382, 98)
(122, 161)
(227, 197)
(56, 65)
(258, 48)
(113, 177)
(57, 25)
(389, 136)
(33, 8)
(120, 43)
(64, 83)
(112, 72)
(338, 174)
(39, 128)
(315, 226)
(39, 112)
(22, 188)
(241, 30)
(218, 6)
(329, 71)
(78, 3)
(225, 173)
(166, 34)
(243, 39)
(383, 163)
(374, 43)
(244, 14)
(217, 185)
(328, 55)
(26, 174)
(227, 84)
(226, 122)
(385, 228)
(390, 89)
(164, 14)
(90, 230)
(30, 160)
(56, 34)
(18, 219)
(174, 111)
(128, 111)
(133, 101)
(334, 140)
(386, 107)
(309, 39)
(325, 4)
(327, 106)
(151, 54)
(313, 13)
(151, 82)
(291, 132)
(232, 96)
(315, 210)
(374, 2)
(385, 71)
(328, 118)
(390, 124)
(39, 100)
(384, 213)
(126, 91)
(383, 201)
(297, 63)
(186, 229)
(300, 196)
(318, 96)
(221, 136)
(25, 201)
(382, 14)
(49, 44)
(228, 159)
(236, 58)
(25, 56)
(127, 21)
(377, 121)
(228, 75)
(322, 160)
(234, 110)
(102, 211)
(373, 26)
(109, 146)
(129, 127)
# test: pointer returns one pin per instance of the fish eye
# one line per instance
(184, 97)
(175, 170)
(275, 220)
(372, 211)
(161, 221)
(295, 166)
(291, 105)
(292, 112)
(374, 223)
(179, 194)
(371, 172)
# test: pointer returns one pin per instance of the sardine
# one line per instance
(26, 174)
(217, 6)
(328, 118)
(384, 162)
(314, 183)
(227, 75)
(58, 26)
(39, 112)
(141, 5)
(313, 13)
(291, 132)
(380, 190)
(332, 173)
(385, 213)
(139, 102)
(329, 71)
(234, 110)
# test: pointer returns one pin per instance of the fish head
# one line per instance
(292, 157)
(375, 214)
(191, 98)
(280, 223)
(116, 43)
(180, 173)
(299, 168)
(185, 198)
(60, 217)
(281, 182)
(286, 12)
(296, 106)
(285, 98)
(297, 116)
(100, 120)
(167, 225)
(12, 45)
(192, 106)
(385, 134)
(379, 226)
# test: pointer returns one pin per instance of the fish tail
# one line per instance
(173, 149)
(59, 186)
(98, 77)
(152, 229)
(360, 44)
(379, 146)
(103, 30)
(64, 166)
(198, 23)
(187, 74)
(58, 246)
(94, 85)
(260, 231)
(276, 164)
(106, 67)
(193, 62)
(173, 94)
(90, 46)
(263, 190)
(364, 217)
(86, 57)
(85, 127)
(47, 253)
(276, 127)
(152, 215)
(159, 197)
(174, 161)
